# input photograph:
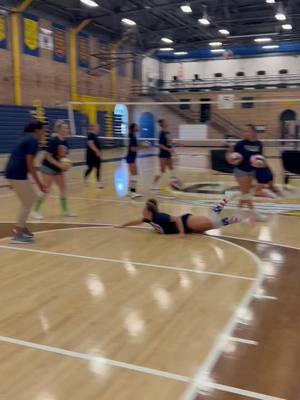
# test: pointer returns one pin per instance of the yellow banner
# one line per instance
(2, 28)
(31, 33)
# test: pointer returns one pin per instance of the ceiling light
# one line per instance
(180, 53)
(217, 51)
(262, 40)
(166, 49)
(215, 44)
(270, 47)
(270, 1)
(89, 3)
(280, 15)
(204, 21)
(129, 22)
(186, 8)
(224, 32)
(287, 27)
(167, 40)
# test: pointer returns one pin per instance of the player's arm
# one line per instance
(132, 223)
(179, 224)
(32, 170)
(54, 162)
(92, 146)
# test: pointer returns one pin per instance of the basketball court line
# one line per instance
(255, 241)
(204, 372)
(243, 341)
(241, 392)
(90, 357)
(118, 261)
(264, 297)
(202, 377)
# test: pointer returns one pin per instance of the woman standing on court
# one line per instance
(20, 163)
(131, 160)
(93, 154)
(165, 151)
(53, 171)
(244, 172)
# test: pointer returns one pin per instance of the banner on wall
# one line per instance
(60, 43)
(46, 39)
(226, 101)
(84, 50)
(3, 32)
(31, 35)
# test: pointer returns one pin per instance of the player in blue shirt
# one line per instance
(53, 171)
(19, 165)
(245, 172)
(131, 160)
(165, 151)
(170, 225)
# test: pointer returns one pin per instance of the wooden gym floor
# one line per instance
(94, 312)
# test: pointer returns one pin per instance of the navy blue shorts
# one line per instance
(264, 175)
(164, 154)
(184, 219)
(131, 158)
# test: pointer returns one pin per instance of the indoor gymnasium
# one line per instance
(149, 199)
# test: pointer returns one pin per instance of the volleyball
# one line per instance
(258, 161)
(176, 184)
(228, 54)
(146, 144)
(234, 158)
(66, 162)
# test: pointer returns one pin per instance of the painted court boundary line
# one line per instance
(117, 261)
(202, 377)
(241, 392)
(90, 357)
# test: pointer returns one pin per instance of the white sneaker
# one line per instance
(36, 215)
(259, 217)
(69, 214)
(100, 185)
(135, 195)
(155, 188)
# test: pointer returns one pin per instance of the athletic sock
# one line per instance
(218, 208)
(38, 204)
(64, 204)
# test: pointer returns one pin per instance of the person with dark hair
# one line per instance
(185, 224)
(93, 154)
(19, 165)
(244, 172)
(131, 160)
(53, 170)
(165, 151)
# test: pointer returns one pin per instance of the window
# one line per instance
(240, 73)
(185, 106)
(218, 75)
(283, 71)
(261, 73)
(247, 102)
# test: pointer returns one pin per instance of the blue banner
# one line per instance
(83, 50)
(3, 32)
(60, 43)
(31, 35)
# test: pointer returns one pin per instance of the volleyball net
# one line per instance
(202, 131)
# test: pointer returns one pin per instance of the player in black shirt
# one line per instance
(169, 225)
(93, 153)
(245, 172)
(131, 160)
(165, 151)
(53, 170)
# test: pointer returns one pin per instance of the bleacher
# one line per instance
(14, 118)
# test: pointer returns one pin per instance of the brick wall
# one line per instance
(49, 81)
(265, 114)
